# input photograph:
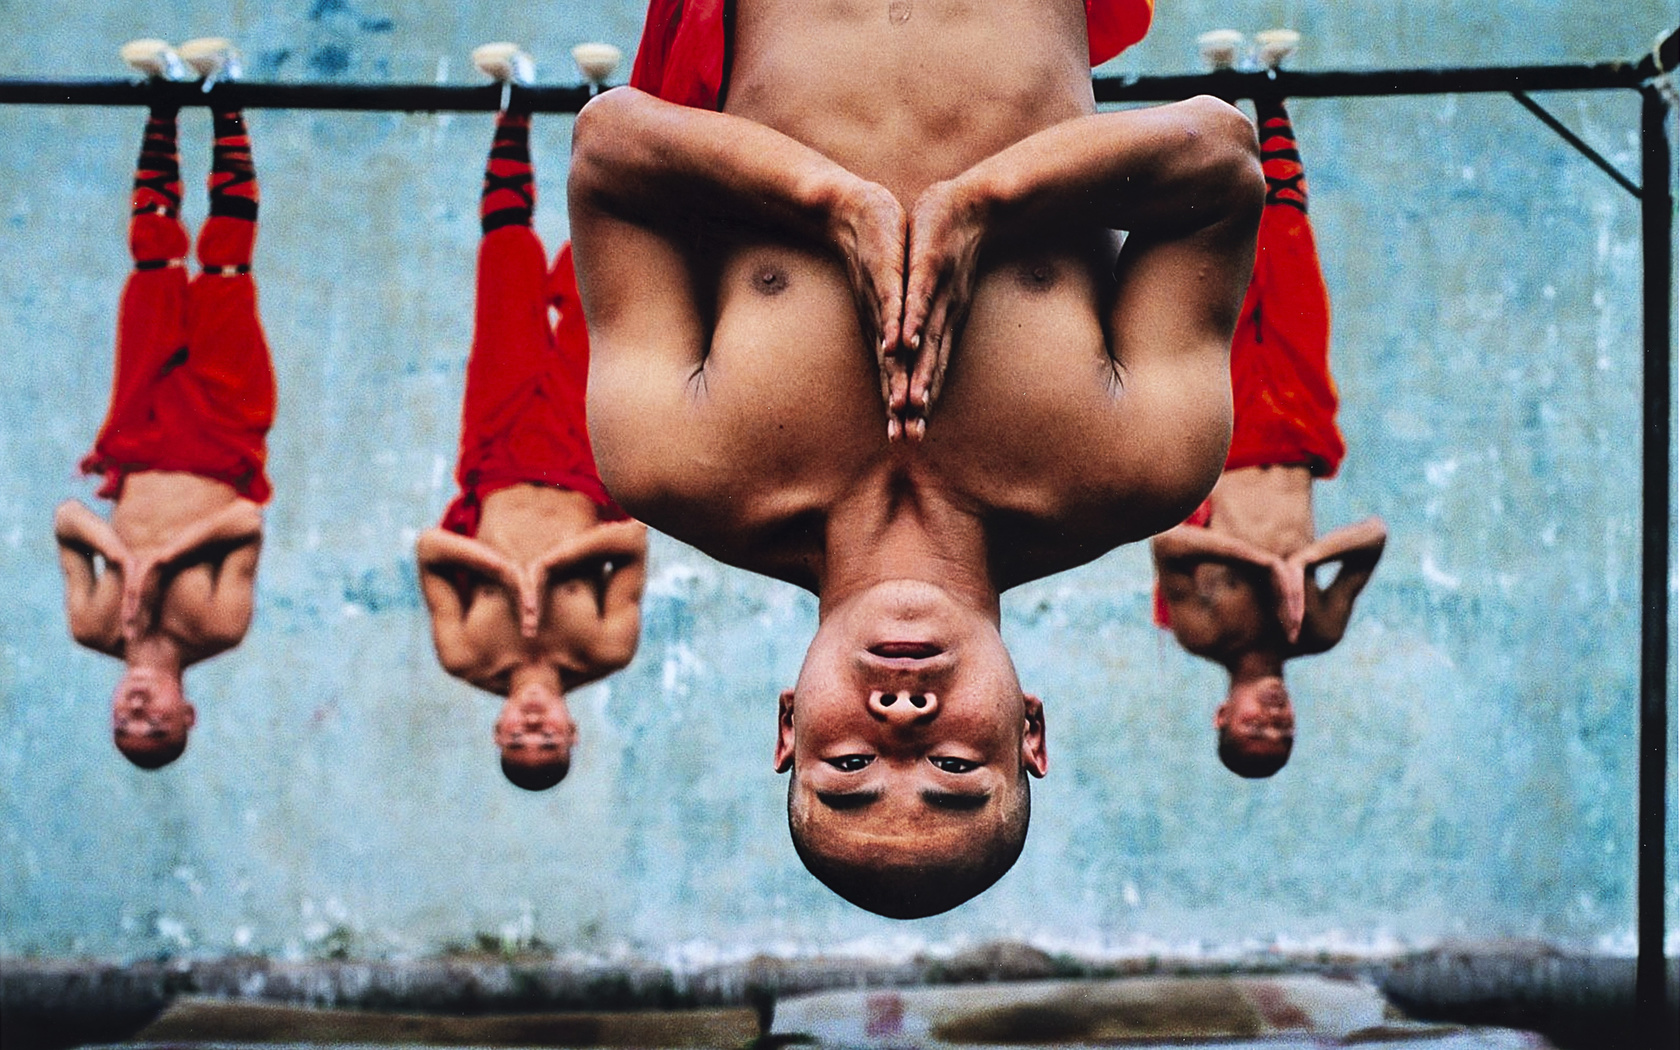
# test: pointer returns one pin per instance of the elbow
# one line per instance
(456, 660)
(602, 128)
(1229, 151)
(67, 521)
(89, 633)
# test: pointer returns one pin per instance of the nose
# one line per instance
(903, 707)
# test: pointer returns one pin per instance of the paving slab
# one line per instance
(1269, 1012)
(201, 1022)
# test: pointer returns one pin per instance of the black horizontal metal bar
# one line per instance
(1575, 140)
(412, 98)
(434, 98)
(1353, 83)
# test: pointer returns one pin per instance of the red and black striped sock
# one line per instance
(510, 192)
(1286, 181)
(157, 175)
(233, 178)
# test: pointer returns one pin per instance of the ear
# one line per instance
(1222, 716)
(784, 731)
(1035, 756)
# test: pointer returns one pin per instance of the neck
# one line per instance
(533, 671)
(1254, 664)
(906, 533)
(154, 652)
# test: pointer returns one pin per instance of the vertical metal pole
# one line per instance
(1656, 222)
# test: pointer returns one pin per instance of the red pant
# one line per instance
(1283, 395)
(1284, 399)
(1281, 389)
(194, 386)
(522, 419)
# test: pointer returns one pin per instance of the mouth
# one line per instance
(905, 650)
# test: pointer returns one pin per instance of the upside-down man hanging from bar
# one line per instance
(169, 580)
(869, 330)
(534, 578)
(1237, 581)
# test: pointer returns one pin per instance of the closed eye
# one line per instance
(850, 763)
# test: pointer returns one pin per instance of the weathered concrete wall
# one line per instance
(1466, 764)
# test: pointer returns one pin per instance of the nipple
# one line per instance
(898, 12)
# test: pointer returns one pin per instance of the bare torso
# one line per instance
(1269, 507)
(1031, 430)
(524, 522)
(181, 560)
(574, 623)
(157, 505)
(907, 92)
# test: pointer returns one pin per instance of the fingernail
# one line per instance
(920, 427)
(892, 429)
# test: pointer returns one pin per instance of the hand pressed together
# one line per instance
(912, 278)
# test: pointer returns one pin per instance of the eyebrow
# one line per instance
(844, 800)
(956, 801)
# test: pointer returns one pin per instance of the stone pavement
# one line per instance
(1262, 1013)
(1307, 1011)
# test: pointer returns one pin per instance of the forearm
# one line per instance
(1361, 542)
(440, 553)
(1192, 542)
(644, 160)
(1167, 171)
(238, 524)
(622, 543)
(80, 529)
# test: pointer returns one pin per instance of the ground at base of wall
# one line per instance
(1001, 994)
(1264, 1013)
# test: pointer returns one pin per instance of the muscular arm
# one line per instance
(647, 179)
(1358, 548)
(621, 602)
(1183, 180)
(92, 598)
(441, 556)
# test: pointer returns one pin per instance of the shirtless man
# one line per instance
(534, 579)
(170, 580)
(869, 331)
(1238, 582)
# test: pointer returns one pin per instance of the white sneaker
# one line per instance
(597, 62)
(504, 62)
(155, 58)
(212, 58)
(1272, 46)
(1220, 48)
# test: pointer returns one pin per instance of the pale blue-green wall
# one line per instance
(1466, 761)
